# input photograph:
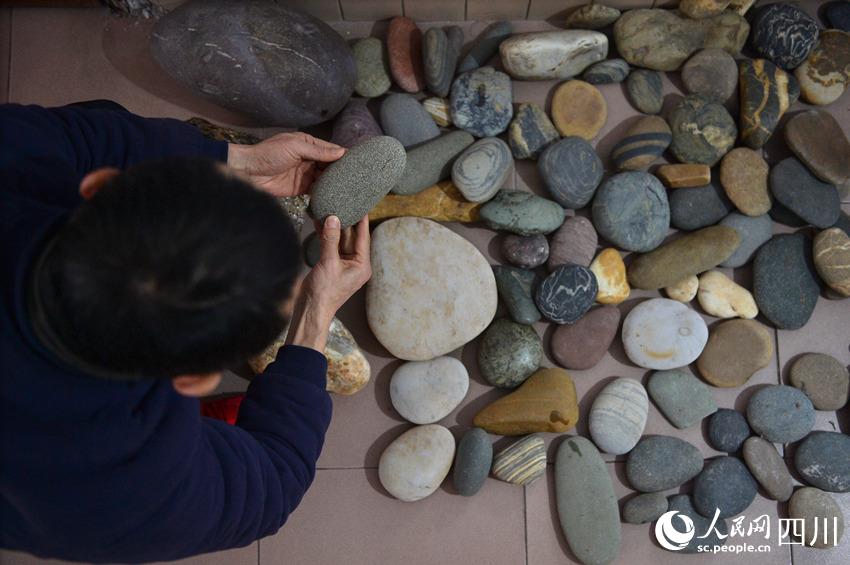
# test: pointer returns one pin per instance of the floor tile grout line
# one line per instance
(525, 519)
(258, 551)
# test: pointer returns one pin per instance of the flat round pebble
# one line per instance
(472, 462)
(481, 102)
(609, 71)
(522, 462)
(660, 463)
(780, 414)
(726, 484)
(663, 334)
(727, 430)
(643, 143)
(643, 508)
(582, 345)
(785, 285)
(817, 509)
(509, 353)
(736, 349)
(816, 138)
(618, 416)
(430, 162)
(694, 208)
(716, 532)
(743, 174)
(566, 294)
(516, 289)
(631, 211)
(711, 73)
(681, 397)
(530, 131)
(481, 170)
(373, 73)
(424, 392)
(823, 460)
(703, 131)
(768, 468)
(404, 49)
(571, 170)
(573, 243)
(784, 34)
(578, 108)
(404, 118)
(805, 195)
(525, 251)
(754, 232)
(522, 213)
(643, 88)
(832, 259)
(823, 378)
(414, 465)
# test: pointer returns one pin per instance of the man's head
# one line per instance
(171, 269)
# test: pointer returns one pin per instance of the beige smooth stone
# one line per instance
(684, 290)
(414, 465)
(545, 55)
(722, 297)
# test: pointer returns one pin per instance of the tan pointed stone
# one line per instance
(442, 202)
(722, 297)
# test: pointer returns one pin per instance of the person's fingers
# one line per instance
(330, 239)
(362, 240)
(304, 178)
(314, 149)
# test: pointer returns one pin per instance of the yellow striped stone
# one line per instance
(521, 463)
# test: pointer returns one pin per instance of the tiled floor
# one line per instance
(56, 56)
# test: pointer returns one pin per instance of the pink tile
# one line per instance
(554, 10)
(370, 10)
(496, 9)
(5, 52)
(242, 556)
(435, 10)
(346, 517)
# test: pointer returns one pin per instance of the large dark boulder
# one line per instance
(258, 57)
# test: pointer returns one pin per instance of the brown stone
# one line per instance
(832, 259)
(743, 174)
(823, 378)
(578, 108)
(404, 49)
(583, 344)
(545, 402)
(698, 9)
(824, 75)
(817, 140)
(684, 175)
(573, 243)
(735, 351)
(442, 202)
(611, 278)
(643, 143)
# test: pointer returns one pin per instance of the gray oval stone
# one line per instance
(606, 72)
(754, 232)
(823, 520)
(440, 52)
(780, 413)
(644, 90)
(823, 378)
(571, 170)
(694, 208)
(681, 397)
(712, 73)
(522, 213)
(567, 294)
(482, 102)
(472, 462)
(587, 505)
(823, 460)
(716, 536)
(724, 484)
(509, 353)
(351, 186)
(244, 55)
(662, 462)
(768, 468)
(481, 170)
(373, 71)
(727, 430)
(404, 118)
(515, 287)
(785, 285)
(814, 201)
(432, 161)
(643, 508)
(525, 251)
(485, 46)
(631, 211)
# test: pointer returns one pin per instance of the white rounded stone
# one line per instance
(683, 291)
(722, 297)
(431, 290)
(544, 55)
(424, 392)
(663, 334)
(618, 416)
(415, 464)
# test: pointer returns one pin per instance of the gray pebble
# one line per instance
(482, 102)
(809, 198)
(440, 52)
(728, 430)
(694, 208)
(659, 463)
(472, 462)
(643, 508)
(681, 397)
(516, 287)
(525, 251)
(785, 285)
(781, 414)
(768, 468)
(522, 213)
(509, 353)
(404, 118)
(431, 162)
(724, 484)
(606, 72)
(485, 46)
(823, 460)
(754, 232)
(644, 90)
(571, 170)
(631, 211)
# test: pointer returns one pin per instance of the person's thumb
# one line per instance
(315, 149)
(330, 239)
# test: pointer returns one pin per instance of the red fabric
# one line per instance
(225, 409)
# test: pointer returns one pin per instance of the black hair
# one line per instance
(173, 267)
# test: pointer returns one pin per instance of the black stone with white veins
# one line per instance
(566, 294)
(571, 170)
(279, 65)
(809, 198)
(784, 34)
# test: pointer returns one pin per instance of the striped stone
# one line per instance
(522, 462)
(618, 416)
(438, 108)
(644, 143)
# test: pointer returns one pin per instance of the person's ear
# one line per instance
(95, 180)
(196, 386)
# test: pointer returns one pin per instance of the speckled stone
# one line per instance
(481, 170)
(768, 468)
(823, 378)
(404, 118)
(682, 398)
(525, 251)
(481, 102)
(661, 334)
(354, 125)
(643, 508)
(784, 34)
(373, 72)
(582, 345)
(660, 463)
(643, 88)
(609, 71)
(530, 131)
(472, 462)
(438, 109)
(688, 255)
(711, 73)
(817, 140)
(516, 288)
(618, 416)
(578, 108)
(312, 249)
(831, 255)
(727, 430)
(823, 520)
(545, 55)
(592, 16)
(684, 175)
(824, 75)
(765, 97)
(684, 290)
(725, 483)
(643, 143)
(631, 211)
(440, 51)
(785, 285)
(716, 532)
(571, 171)
(780, 414)
(522, 213)
(736, 349)
(573, 243)
(430, 162)
(703, 131)
(509, 353)
(351, 186)
(404, 48)
(522, 462)
(424, 392)
(743, 174)
(485, 46)
(566, 294)
(610, 271)
(823, 460)
(414, 465)
(694, 208)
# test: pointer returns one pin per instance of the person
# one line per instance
(138, 261)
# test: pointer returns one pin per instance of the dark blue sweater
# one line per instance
(101, 470)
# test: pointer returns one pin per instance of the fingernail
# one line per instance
(332, 222)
